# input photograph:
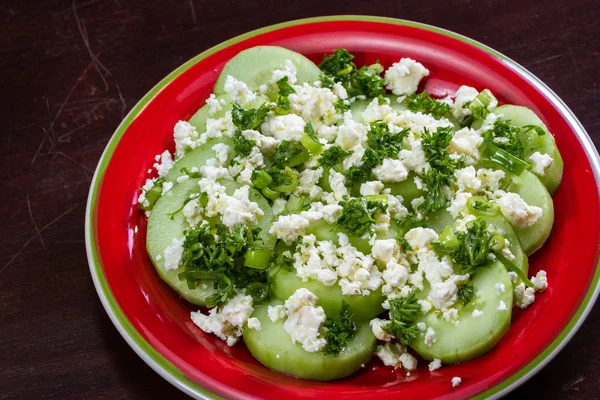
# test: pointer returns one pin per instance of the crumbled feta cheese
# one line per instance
(238, 91)
(213, 105)
(404, 76)
(500, 288)
(278, 206)
(166, 187)
(514, 278)
(476, 313)
(314, 104)
(420, 237)
(421, 326)
(456, 381)
(166, 163)
(395, 355)
(395, 207)
(193, 212)
(415, 203)
(186, 137)
(458, 205)
(506, 250)
(524, 296)
(385, 250)
(351, 134)
(173, 254)
(228, 323)
(450, 315)
(430, 337)
(234, 210)
(276, 313)
(289, 71)
(540, 281)
(221, 153)
(464, 95)
(182, 178)
(289, 227)
(217, 128)
(516, 210)
(435, 364)
(395, 276)
(264, 143)
(254, 323)
(540, 163)
(340, 91)
(490, 178)
(502, 306)
(466, 141)
(466, 179)
(337, 182)
(304, 320)
(378, 332)
(308, 183)
(426, 306)
(330, 212)
(284, 127)
(372, 187)
(391, 170)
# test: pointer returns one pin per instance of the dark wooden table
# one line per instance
(69, 71)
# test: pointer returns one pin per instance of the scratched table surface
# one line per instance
(70, 71)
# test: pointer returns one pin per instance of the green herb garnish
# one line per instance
(421, 102)
(339, 332)
(403, 314)
(366, 81)
(358, 215)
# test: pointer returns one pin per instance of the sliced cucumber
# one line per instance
(472, 336)
(529, 187)
(161, 232)
(272, 346)
(439, 220)
(197, 158)
(330, 297)
(255, 66)
(545, 144)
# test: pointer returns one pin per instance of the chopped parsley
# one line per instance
(214, 253)
(442, 169)
(466, 293)
(505, 135)
(242, 145)
(364, 171)
(248, 119)
(282, 105)
(403, 314)
(382, 140)
(471, 249)
(358, 215)
(339, 68)
(290, 154)
(333, 156)
(421, 102)
(339, 332)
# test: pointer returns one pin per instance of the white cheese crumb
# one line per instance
(435, 364)
(173, 254)
(372, 187)
(284, 127)
(304, 320)
(476, 313)
(391, 170)
(524, 296)
(254, 323)
(166, 163)
(404, 76)
(540, 281)
(430, 337)
(378, 332)
(456, 381)
(289, 227)
(540, 163)
(238, 91)
(502, 306)
(500, 288)
(186, 137)
(516, 210)
(278, 206)
(276, 313)
(463, 95)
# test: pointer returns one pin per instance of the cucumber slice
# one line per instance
(330, 297)
(439, 220)
(472, 336)
(522, 116)
(254, 67)
(272, 346)
(529, 187)
(197, 158)
(161, 232)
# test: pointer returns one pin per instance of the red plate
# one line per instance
(156, 322)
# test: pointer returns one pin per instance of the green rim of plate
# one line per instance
(167, 370)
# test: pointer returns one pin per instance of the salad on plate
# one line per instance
(328, 214)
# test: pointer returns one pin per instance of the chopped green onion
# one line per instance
(258, 258)
(379, 198)
(298, 158)
(270, 193)
(261, 179)
(293, 181)
(479, 206)
(497, 243)
(448, 238)
(482, 100)
(312, 145)
(494, 156)
(512, 267)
